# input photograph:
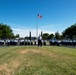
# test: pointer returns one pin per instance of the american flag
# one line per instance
(39, 16)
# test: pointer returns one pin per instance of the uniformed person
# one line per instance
(39, 41)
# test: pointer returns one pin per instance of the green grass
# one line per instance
(33, 60)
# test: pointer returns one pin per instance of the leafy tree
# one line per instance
(70, 32)
(57, 35)
(34, 38)
(0, 33)
(17, 36)
(62, 37)
(51, 36)
(27, 37)
(5, 31)
(45, 36)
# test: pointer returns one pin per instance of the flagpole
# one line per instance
(38, 16)
(37, 26)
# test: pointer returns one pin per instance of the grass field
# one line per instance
(33, 60)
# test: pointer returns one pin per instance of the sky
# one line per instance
(22, 15)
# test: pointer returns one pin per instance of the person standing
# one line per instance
(40, 41)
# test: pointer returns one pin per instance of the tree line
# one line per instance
(68, 33)
(7, 33)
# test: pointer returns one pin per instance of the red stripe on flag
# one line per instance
(39, 16)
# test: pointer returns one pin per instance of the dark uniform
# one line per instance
(39, 41)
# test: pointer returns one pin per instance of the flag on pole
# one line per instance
(39, 16)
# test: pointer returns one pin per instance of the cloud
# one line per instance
(53, 28)
(25, 32)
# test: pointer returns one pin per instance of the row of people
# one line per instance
(21, 42)
(39, 42)
(63, 42)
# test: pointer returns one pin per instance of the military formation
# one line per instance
(64, 42)
(21, 42)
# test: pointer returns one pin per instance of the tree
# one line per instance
(5, 31)
(27, 37)
(70, 32)
(45, 36)
(57, 35)
(17, 36)
(51, 36)
(0, 33)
